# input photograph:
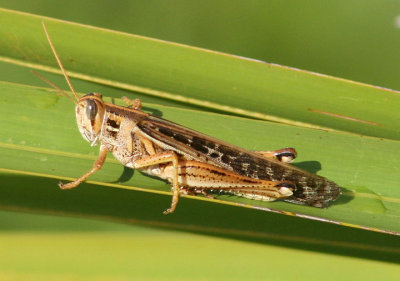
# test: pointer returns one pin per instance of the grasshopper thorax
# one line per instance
(90, 113)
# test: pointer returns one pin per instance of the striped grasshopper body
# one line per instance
(191, 161)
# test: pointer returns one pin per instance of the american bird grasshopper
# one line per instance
(192, 162)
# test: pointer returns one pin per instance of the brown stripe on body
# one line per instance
(113, 124)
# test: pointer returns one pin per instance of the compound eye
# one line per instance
(91, 109)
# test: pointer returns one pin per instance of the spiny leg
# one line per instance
(96, 166)
(160, 158)
(194, 191)
(135, 104)
(286, 155)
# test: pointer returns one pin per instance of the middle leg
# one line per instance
(161, 158)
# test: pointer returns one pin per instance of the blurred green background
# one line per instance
(357, 40)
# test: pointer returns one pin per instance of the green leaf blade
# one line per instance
(52, 147)
(203, 78)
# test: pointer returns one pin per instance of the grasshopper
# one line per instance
(192, 162)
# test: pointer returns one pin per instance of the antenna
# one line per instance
(54, 86)
(59, 63)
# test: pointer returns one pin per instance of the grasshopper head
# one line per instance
(90, 112)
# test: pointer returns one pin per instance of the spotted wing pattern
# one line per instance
(310, 189)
